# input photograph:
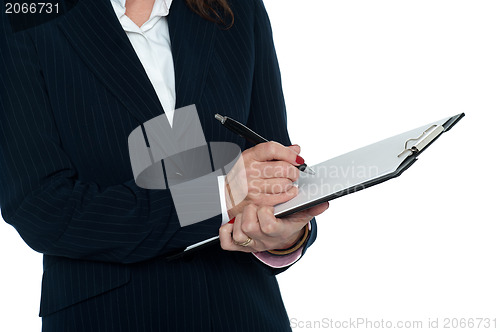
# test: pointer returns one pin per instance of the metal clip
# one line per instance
(424, 139)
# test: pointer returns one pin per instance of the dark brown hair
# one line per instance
(217, 11)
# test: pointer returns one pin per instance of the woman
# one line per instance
(73, 89)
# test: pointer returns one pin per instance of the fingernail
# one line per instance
(232, 221)
(299, 160)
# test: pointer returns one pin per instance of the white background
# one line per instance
(419, 247)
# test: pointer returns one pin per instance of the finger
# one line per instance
(276, 169)
(277, 186)
(225, 238)
(270, 186)
(273, 199)
(295, 148)
(275, 151)
(268, 224)
(247, 225)
(250, 227)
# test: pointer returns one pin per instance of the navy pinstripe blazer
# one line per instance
(72, 91)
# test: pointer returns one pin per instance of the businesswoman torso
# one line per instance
(73, 89)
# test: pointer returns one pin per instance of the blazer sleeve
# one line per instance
(40, 193)
(267, 109)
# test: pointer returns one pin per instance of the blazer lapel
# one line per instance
(97, 36)
(192, 45)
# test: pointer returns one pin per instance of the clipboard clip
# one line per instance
(423, 140)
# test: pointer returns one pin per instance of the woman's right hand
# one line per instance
(263, 176)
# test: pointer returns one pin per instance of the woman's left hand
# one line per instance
(260, 230)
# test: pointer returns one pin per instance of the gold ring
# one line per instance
(243, 244)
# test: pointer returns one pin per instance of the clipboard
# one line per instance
(381, 161)
(397, 154)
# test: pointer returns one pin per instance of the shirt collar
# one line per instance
(160, 7)
(119, 2)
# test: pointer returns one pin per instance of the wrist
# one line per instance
(228, 194)
(294, 241)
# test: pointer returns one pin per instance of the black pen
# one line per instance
(251, 136)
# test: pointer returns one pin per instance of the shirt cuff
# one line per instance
(278, 261)
(222, 194)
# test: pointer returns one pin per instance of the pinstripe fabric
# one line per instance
(66, 182)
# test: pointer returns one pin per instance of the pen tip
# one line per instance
(310, 171)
